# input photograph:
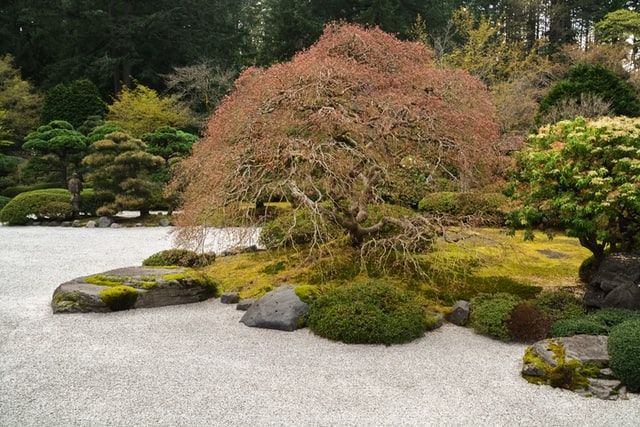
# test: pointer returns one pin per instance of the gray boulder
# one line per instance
(131, 287)
(544, 364)
(615, 284)
(104, 222)
(229, 298)
(459, 313)
(279, 309)
(245, 304)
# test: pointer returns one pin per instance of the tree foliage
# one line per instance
(583, 176)
(359, 118)
(141, 110)
(119, 167)
(19, 104)
(62, 143)
(74, 103)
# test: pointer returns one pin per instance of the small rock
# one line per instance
(607, 389)
(115, 225)
(76, 223)
(279, 309)
(229, 298)
(245, 304)
(104, 222)
(459, 313)
(66, 223)
(164, 222)
(532, 370)
(91, 224)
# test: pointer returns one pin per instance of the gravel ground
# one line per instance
(196, 365)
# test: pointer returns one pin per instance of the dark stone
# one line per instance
(229, 298)
(615, 284)
(459, 313)
(279, 309)
(156, 287)
(245, 304)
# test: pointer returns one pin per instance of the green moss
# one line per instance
(119, 297)
(307, 293)
(568, 374)
(102, 280)
(67, 299)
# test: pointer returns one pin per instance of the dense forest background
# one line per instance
(166, 63)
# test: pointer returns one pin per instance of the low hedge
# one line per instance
(490, 314)
(599, 322)
(624, 355)
(488, 205)
(52, 204)
(371, 313)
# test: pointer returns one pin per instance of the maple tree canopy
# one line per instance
(358, 118)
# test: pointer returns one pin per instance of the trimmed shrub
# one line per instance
(611, 317)
(119, 297)
(180, 257)
(576, 326)
(624, 354)
(13, 191)
(490, 314)
(528, 323)
(370, 313)
(463, 204)
(559, 305)
(52, 204)
(3, 201)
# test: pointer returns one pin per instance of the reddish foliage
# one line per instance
(353, 119)
(528, 324)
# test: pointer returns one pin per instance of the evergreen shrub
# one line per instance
(181, 258)
(294, 227)
(490, 314)
(577, 326)
(624, 353)
(370, 313)
(51, 204)
(559, 305)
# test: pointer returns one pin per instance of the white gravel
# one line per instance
(196, 365)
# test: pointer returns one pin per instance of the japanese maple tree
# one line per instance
(358, 119)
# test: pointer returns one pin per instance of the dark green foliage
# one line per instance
(624, 353)
(527, 323)
(169, 142)
(587, 269)
(599, 322)
(483, 205)
(370, 313)
(3, 201)
(13, 191)
(119, 297)
(490, 314)
(52, 204)
(180, 257)
(577, 326)
(559, 305)
(471, 286)
(73, 103)
(594, 80)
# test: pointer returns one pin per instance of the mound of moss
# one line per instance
(370, 313)
(119, 297)
(180, 257)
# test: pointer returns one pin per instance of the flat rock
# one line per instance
(155, 287)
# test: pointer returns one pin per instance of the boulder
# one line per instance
(132, 287)
(104, 222)
(279, 309)
(579, 363)
(459, 313)
(229, 298)
(245, 304)
(164, 222)
(615, 284)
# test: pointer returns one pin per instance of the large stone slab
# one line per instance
(142, 287)
(615, 284)
(279, 309)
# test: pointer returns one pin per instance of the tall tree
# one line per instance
(73, 103)
(357, 119)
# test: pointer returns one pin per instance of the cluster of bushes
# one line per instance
(600, 322)
(46, 204)
(181, 258)
(511, 318)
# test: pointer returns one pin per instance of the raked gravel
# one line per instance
(196, 365)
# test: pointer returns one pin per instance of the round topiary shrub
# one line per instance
(577, 326)
(181, 258)
(624, 353)
(51, 204)
(370, 313)
(528, 324)
(490, 313)
(119, 297)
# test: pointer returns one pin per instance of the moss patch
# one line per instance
(119, 297)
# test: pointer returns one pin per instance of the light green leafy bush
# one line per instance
(53, 204)
(490, 314)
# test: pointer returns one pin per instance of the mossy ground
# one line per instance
(483, 261)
